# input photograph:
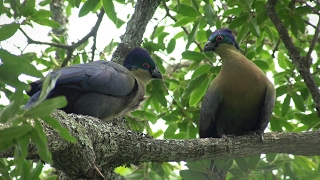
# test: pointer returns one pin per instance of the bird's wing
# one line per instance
(209, 109)
(267, 108)
(103, 77)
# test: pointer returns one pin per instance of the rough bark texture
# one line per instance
(106, 145)
(300, 62)
(136, 27)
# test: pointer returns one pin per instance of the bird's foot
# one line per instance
(259, 134)
(228, 136)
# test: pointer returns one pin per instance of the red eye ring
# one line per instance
(219, 38)
(146, 65)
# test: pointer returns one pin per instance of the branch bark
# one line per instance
(136, 27)
(107, 145)
(301, 63)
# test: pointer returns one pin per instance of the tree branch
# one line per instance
(105, 145)
(144, 10)
(300, 62)
(93, 32)
(313, 42)
(70, 48)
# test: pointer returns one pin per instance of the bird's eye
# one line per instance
(219, 38)
(146, 65)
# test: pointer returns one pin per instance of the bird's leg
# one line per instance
(98, 172)
(228, 136)
(259, 134)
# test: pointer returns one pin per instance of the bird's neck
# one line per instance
(231, 57)
(143, 75)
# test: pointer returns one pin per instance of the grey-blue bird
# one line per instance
(102, 89)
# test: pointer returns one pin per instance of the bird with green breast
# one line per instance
(240, 98)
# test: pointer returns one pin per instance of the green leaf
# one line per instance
(191, 175)
(294, 26)
(242, 164)
(239, 21)
(271, 157)
(254, 28)
(159, 61)
(180, 135)
(261, 16)
(41, 14)
(171, 46)
(109, 10)
(158, 92)
(299, 20)
(46, 2)
(209, 14)
(157, 134)
(46, 107)
(193, 55)
(35, 173)
(8, 30)
(281, 90)
(242, 33)
(63, 132)
(170, 131)
(183, 21)
(302, 10)
(186, 10)
(88, 6)
(261, 64)
(193, 34)
(195, 4)
(28, 7)
(246, 4)
(250, 55)
(10, 111)
(285, 105)
(157, 31)
(40, 140)
(237, 172)
(204, 68)
(47, 22)
(4, 145)
(202, 166)
(233, 11)
(298, 101)
(253, 161)
(197, 94)
(120, 22)
(193, 84)
(14, 132)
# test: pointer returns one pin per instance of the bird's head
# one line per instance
(141, 65)
(221, 37)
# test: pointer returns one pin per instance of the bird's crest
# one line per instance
(139, 58)
(223, 36)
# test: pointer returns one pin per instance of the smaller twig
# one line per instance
(313, 9)
(175, 20)
(313, 43)
(31, 41)
(71, 48)
(307, 22)
(93, 32)
(275, 49)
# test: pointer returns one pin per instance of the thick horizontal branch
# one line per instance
(302, 63)
(107, 145)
